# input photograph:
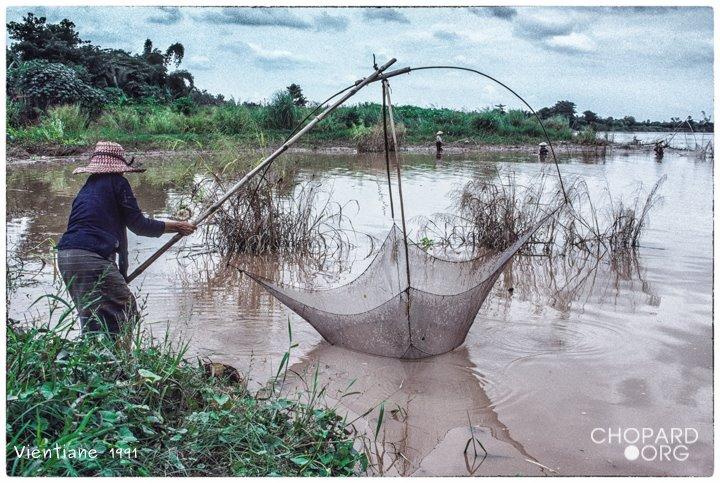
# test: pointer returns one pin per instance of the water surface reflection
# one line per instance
(576, 344)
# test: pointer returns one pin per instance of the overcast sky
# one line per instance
(647, 62)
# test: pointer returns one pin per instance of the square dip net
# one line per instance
(407, 304)
(387, 313)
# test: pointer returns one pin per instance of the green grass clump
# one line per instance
(121, 119)
(64, 125)
(232, 120)
(170, 417)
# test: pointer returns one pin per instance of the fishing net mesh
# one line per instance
(382, 312)
(407, 304)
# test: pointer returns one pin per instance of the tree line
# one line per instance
(50, 65)
(589, 119)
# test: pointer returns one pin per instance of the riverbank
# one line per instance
(69, 129)
(84, 406)
(49, 153)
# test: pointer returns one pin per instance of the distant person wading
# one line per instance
(439, 142)
(96, 234)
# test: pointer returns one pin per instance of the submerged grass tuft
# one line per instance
(494, 213)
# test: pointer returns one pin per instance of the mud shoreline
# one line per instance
(19, 156)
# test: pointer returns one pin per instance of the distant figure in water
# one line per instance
(93, 252)
(439, 142)
(543, 150)
(659, 150)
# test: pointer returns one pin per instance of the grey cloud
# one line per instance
(264, 59)
(325, 21)
(384, 14)
(198, 64)
(700, 58)
(257, 17)
(168, 16)
(536, 30)
(505, 13)
(622, 10)
(565, 49)
(447, 36)
(562, 36)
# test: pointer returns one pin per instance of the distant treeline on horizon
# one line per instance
(49, 65)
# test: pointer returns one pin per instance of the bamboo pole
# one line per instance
(236, 187)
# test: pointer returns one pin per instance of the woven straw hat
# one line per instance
(109, 158)
(439, 133)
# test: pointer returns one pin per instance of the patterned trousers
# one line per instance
(101, 295)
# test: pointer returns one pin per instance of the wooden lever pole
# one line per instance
(236, 187)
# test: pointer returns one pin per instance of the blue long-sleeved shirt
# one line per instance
(101, 212)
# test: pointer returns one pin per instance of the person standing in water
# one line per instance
(439, 142)
(101, 213)
(543, 151)
(659, 149)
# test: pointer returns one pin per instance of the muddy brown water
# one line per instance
(578, 350)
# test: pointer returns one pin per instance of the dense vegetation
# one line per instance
(66, 93)
(148, 412)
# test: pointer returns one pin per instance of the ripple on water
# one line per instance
(577, 338)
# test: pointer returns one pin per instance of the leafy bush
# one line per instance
(65, 125)
(557, 126)
(14, 113)
(488, 121)
(232, 119)
(169, 416)
(73, 119)
(42, 84)
(184, 105)
(115, 96)
(200, 122)
(589, 136)
(282, 113)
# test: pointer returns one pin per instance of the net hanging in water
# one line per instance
(407, 303)
(381, 313)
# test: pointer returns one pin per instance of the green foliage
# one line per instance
(42, 84)
(487, 121)
(564, 109)
(296, 93)
(118, 118)
(590, 117)
(588, 136)
(184, 105)
(180, 83)
(169, 416)
(14, 113)
(36, 39)
(366, 114)
(281, 113)
(164, 121)
(136, 76)
(173, 126)
(71, 116)
(232, 119)
(62, 125)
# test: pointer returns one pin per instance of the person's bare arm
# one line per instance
(185, 228)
